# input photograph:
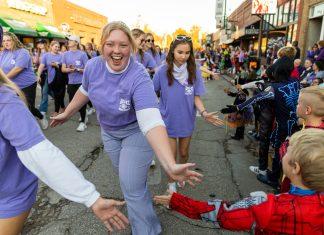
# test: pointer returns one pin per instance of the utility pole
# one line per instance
(260, 39)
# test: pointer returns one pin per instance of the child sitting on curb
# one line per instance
(301, 211)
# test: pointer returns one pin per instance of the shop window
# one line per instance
(297, 4)
(280, 15)
(292, 11)
(285, 13)
(275, 18)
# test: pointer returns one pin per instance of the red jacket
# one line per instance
(278, 214)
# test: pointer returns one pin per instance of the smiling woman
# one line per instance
(122, 93)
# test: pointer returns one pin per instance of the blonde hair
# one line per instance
(287, 51)
(315, 99)
(16, 43)
(4, 81)
(116, 25)
(307, 149)
(321, 43)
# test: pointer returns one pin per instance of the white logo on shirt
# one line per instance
(189, 90)
(124, 105)
(77, 62)
(12, 61)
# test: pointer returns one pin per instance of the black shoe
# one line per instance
(234, 137)
(266, 180)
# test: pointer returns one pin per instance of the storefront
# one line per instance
(316, 24)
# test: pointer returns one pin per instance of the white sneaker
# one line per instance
(152, 163)
(86, 120)
(44, 123)
(256, 170)
(172, 187)
(90, 111)
(82, 126)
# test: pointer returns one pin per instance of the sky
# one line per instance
(163, 16)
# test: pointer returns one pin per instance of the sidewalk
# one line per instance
(223, 162)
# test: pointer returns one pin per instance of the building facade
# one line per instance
(76, 20)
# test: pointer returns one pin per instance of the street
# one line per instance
(223, 162)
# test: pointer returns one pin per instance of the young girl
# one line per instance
(151, 49)
(180, 86)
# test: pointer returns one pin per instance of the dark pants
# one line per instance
(30, 94)
(265, 129)
(58, 93)
(239, 133)
(72, 89)
(90, 104)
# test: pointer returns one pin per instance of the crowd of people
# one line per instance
(146, 103)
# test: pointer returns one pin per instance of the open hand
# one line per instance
(163, 199)
(59, 119)
(181, 172)
(213, 119)
(106, 210)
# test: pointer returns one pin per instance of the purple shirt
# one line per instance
(157, 57)
(177, 102)
(19, 131)
(75, 59)
(47, 60)
(116, 97)
(147, 61)
(18, 58)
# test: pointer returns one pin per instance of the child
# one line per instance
(301, 211)
(310, 110)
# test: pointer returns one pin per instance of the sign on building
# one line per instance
(219, 13)
(264, 7)
(27, 6)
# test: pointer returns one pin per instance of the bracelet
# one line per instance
(201, 113)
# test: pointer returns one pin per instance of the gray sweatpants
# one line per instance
(131, 156)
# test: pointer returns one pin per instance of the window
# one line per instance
(280, 15)
(292, 11)
(275, 20)
(297, 4)
(285, 13)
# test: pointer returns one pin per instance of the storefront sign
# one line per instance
(26, 6)
(316, 11)
(264, 7)
(43, 34)
(219, 13)
(251, 30)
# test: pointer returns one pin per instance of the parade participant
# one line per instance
(161, 53)
(284, 92)
(26, 154)
(122, 93)
(140, 55)
(149, 43)
(90, 51)
(180, 86)
(16, 63)
(298, 212)
(73, 63)
(310, 110)
(52, 61)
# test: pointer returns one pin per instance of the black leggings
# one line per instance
(30, 94)
(59, 93)
(72, 89)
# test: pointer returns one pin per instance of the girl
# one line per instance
(73, 63)
(151, 49)
(122, 93)
(16, 63)
(180, 85)
(52, 61)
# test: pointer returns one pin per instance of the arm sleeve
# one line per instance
(143, 94)
(156, 81)
(43, 60)
(148, 119)
(50, 165)
(268, 93)
(199, 84)
(23, 59)
(85, 81)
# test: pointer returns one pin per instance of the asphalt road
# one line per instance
(223, 162)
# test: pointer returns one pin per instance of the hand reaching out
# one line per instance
(181, 172)
(213, 119)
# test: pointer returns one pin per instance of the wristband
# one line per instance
(201, 113)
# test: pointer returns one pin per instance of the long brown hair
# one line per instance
(153, 50)
(16, 43)
(5, 81)
(136, 33)
(191, 63)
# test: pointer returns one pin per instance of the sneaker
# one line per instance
(90, 111)
(82, 126)
(256, 170)
(86, 120)
(44, 123)
(152, 164)
(172, 187)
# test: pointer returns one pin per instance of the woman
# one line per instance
(150, 48)
(140, 55)
(73, 63)
(52, 61)
(180, 85)
(16, 63)
(26, 154)
(122, 93)
(90, 51)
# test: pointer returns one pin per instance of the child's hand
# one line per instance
(163, 199)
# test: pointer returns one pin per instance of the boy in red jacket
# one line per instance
(301, 211)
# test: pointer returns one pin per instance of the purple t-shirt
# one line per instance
(76, 59)
(47, 60)
(147, 61)
(18, 58)
(157, 57)
(177, 102)
(116, 97)
(19, 131)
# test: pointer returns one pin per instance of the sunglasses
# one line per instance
(183, 38)
(142, 40)
(150, 40)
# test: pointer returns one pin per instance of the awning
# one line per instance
(48, 31)
(17, 27)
